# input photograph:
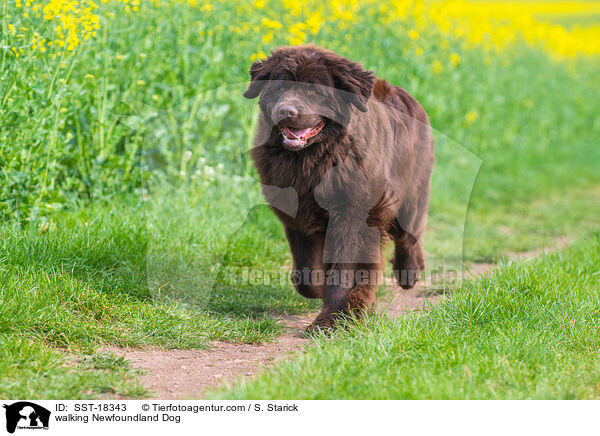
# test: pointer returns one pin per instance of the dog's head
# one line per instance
(307, 93)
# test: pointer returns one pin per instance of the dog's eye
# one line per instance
(282, 89)
(312, 91)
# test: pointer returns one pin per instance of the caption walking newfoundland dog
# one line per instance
(345, 161)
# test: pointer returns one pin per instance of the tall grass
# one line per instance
(64, 139)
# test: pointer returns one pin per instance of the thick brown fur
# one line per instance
(363, 178)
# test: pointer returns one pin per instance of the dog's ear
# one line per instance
(354, 79)
(260, 72)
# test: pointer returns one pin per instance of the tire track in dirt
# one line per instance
(181, 374)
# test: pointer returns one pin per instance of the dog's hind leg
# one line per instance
(408, 261)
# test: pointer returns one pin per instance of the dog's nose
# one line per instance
(288, 111)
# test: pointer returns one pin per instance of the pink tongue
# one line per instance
(298, 133)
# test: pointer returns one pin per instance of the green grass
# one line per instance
(197, 252)
(31, 369)
(527, 331)
(81, 285)
(84, 284)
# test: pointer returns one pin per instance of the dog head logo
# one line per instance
(26, 415)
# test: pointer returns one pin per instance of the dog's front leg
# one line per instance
(352, 248)
(339, 284)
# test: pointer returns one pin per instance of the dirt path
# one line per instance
(181, 374)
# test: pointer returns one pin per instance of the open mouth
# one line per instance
(297, 138)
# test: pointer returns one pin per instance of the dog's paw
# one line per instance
(315, 330)
(407, 278)
(324, 325)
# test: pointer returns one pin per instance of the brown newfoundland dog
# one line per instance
(345, 160)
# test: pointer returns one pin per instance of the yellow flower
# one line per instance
(271, 24)
(141, 82)
(293, 6)
(258, 56)
(454, 59)
(314, 22)
(413, 34)
(436, 67)
(89, 76)
(419, 51)
(471, 117)
(259, 4)
(297, 34)
(73, 21)
(267, 38)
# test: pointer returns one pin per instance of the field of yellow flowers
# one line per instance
(67, 66)
(61, 25)
(101, 101)
(500, 78)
